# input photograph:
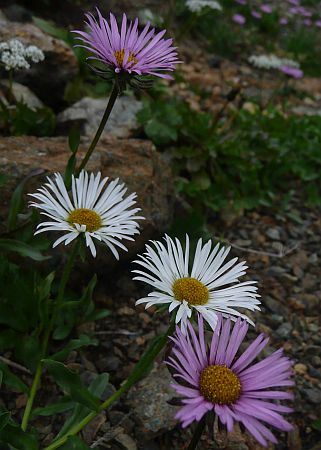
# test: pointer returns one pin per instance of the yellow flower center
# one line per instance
(191, 290)
(119, 55)
(219, 385)
(84, 216)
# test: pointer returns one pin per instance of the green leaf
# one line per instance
(96, 387)
(75, 443)
(4, 419)
(12, 245)
(202, 180)
(29, 351)
(16, 203)
(70, 169)
(74, 139)
(43, 289)
(96, 315)
(13, 435)
(52, 29)
(11, 380)
(317, 424)
(145, 364)
(71, 383)
(56, 408)
(74, 344)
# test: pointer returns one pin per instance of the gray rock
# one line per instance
(316, 361)
(21, 93)
(274, 305)
(148, 403)
(284, 330)
(313, 395)
(126, 442)
(87, 114)
(273, 233)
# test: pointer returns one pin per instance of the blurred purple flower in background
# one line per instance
(318, 23)
(292, 72)
(256, 14)
(239, 19)
(283, 21)
(266, 8)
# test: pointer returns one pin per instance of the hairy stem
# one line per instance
(36, 381)
(197, 434)
(109, 107)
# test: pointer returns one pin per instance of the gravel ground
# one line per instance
(283, 253)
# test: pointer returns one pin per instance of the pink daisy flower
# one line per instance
(127, 50)
(214, 379)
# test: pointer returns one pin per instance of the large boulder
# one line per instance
(86, 114)
(134, 161)
(49, 76)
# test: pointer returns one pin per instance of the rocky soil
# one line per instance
(283, 252)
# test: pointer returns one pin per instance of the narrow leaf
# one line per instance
(71, 383)
(74, 344)
(75, 443)
(4, 419)
(74, 139)
(96, 387)
(13, 435)
(16, 203)
(56, 408)
(11, 380)
(11, 245)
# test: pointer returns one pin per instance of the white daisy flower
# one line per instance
(201, 288)
(98, 213)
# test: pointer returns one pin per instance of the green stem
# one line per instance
(138, 372)
(197, 434)
(10, 94)
(109, 107)
(59, 299)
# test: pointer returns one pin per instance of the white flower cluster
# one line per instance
(272, 62)
(197, 5)
(14, 55)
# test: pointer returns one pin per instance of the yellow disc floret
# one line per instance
(120, 54)
(191, 290)
(84, 216)
(219, 385)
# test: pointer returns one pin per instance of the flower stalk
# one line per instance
(111, 102)
(197, 434)
(57, 305)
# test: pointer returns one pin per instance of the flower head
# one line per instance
(127, 50)
(95, 211)
(214, 379)
(209, 286)
(14, 55)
